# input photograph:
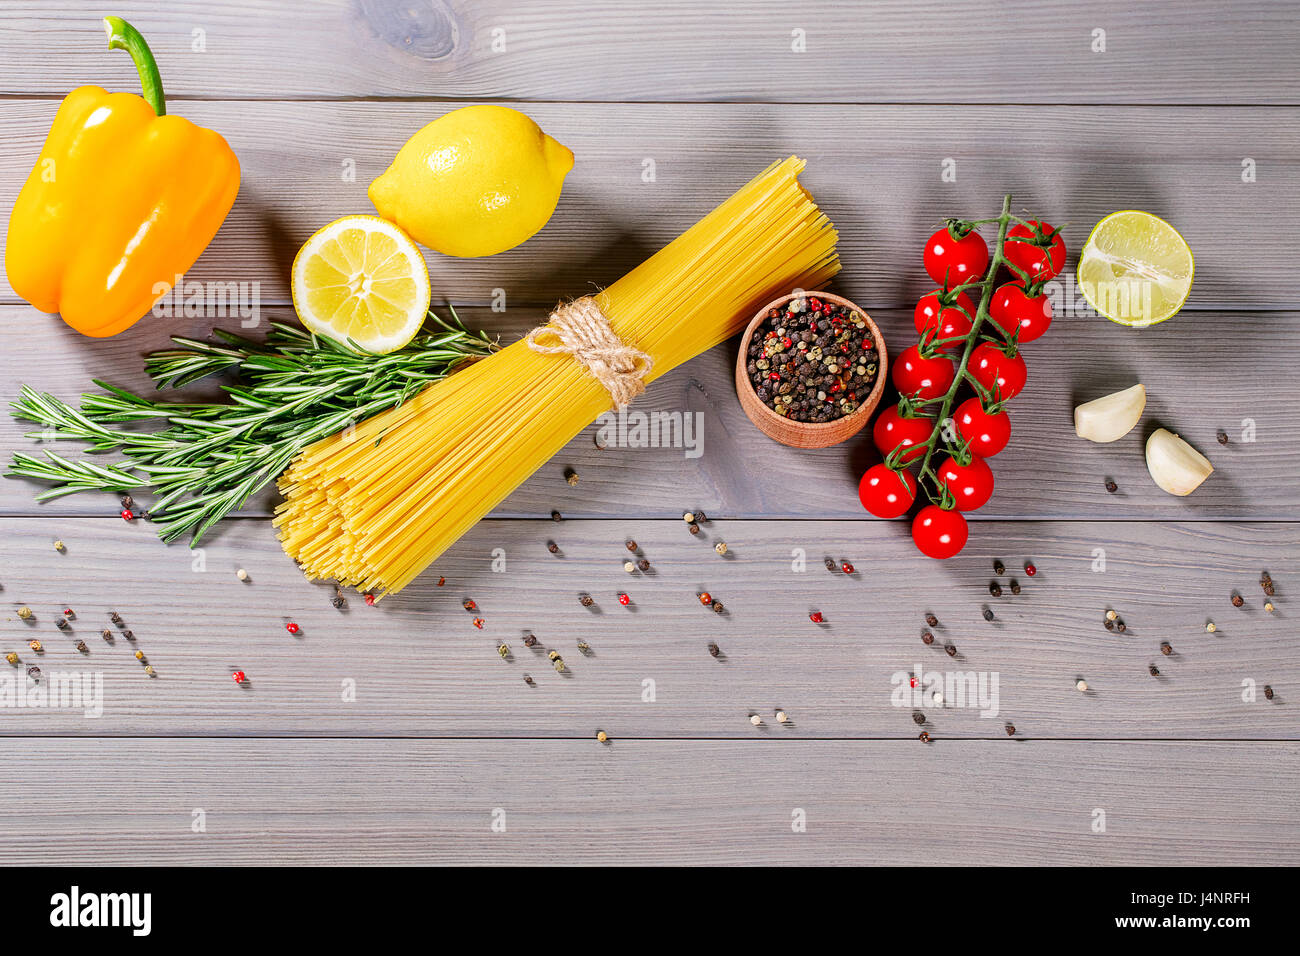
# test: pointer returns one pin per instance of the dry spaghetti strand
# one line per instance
(374, 506)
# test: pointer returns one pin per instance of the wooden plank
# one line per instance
(1046, 471)
(876, 170)
(1010, 52)
(648, 802)
(417, 666)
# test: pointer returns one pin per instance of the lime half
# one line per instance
(1135, 269)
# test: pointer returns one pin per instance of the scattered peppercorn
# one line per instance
(529, 681)
(995, 589)
(1121, 626)
(1081, 686)
(81, 646)
(586, 600)
(127, 501)
(370, 599)
(924, 737)
(717, 607)
(1015, 586)
(338, 600)
(714, 650)
(530, 640)
(693, 528)
(720, 547)
(238, 677)
(1111, 486)
(148, 669)
(571, 477)
(927, 637)
(602, 736)
(830, 565)
(58, 546)
(950, 650)
(1111, 614)
(127, 515)
(629, 567)
(1237, 599)
(1109, 624)
(292, 628)
(931, 620)
(584, 648)
(816, 617)
(107, 635)
(552, 547)
(630, 545)
(25, 613)
(756, 720)
(705, 598)
(36, 646)
(1030, 570)
(1011, 730)
(479, 622)
(623, 599)
(1222, 436)
(61, 624)
(139, 655)
(643, 564)
(1155, 671)
(1165, 648)
(11, 657)
(846, 568)
(469, 605)
(999, 567)
(556, 660)
(1268, 589)
(689, 517)
(918, 717)
(34, 672)
(1268, 692)
(503, 649)
(701, 517)
(115, 618)
(988, 614)
(556, 516)
(1268, 606)
(1211, 626)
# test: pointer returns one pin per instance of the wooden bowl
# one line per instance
(808, 434)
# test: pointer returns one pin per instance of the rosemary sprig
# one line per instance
(291, 389)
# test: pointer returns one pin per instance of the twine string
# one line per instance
(580, 329)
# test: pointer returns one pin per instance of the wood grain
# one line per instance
(875, 170)
(419, 667)
(649, 802)
(1014, 51)
(1046, 472)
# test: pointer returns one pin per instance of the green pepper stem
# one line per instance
(123, 36)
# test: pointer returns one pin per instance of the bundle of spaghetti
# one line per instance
(375, 505)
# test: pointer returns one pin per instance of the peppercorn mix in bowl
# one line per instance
(811, 369)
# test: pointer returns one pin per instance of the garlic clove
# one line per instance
(1110, 417)
(1175, 466)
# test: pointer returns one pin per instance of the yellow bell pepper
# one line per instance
(123, 198)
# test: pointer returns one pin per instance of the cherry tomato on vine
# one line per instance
(939, 533)
(925, 378)
(887, 493)
(971, 485)
(892, 431)
(1041, 262)
(926, 314)
(950, 260)
(1011, 308)
(985, 433)
(1003, 375)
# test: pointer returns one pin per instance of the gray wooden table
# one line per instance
(396, 734)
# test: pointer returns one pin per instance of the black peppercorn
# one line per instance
(919, 717)
(587, 600)
(552, 547)
(530, 640)
(1237, 600)
(995, 589)
(950, 650)
(1268, 692)
(556, 516)
(931, 620)
(927, 637)
(999, 567)
(1155, 671)
(1268, 589)
(1165, 648)
(693, 528)
(1111, 486)
(1109, 624)
(1011, 730)
(1015, 586)
(630, 544)
(1222, 437)
(988, 614)
(713, 650)
(643, 564)
(830, 565)
(924, 738)
(717, 607)
(1121, 626)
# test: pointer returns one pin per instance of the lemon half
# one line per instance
(362, 282)
(1135, 269)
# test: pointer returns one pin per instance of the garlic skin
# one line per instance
(1110, 417)
(1175, 466)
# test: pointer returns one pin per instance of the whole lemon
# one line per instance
(474, 182)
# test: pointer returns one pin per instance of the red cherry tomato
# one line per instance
(951, 261)
(1011, 308)
(1003, 375)
(943, 321)
(924, 315)
(887, 493)
(986, 434)
(1041, 262)
(971, 485)
(893, 431)
(922, 377)
(939, 533)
